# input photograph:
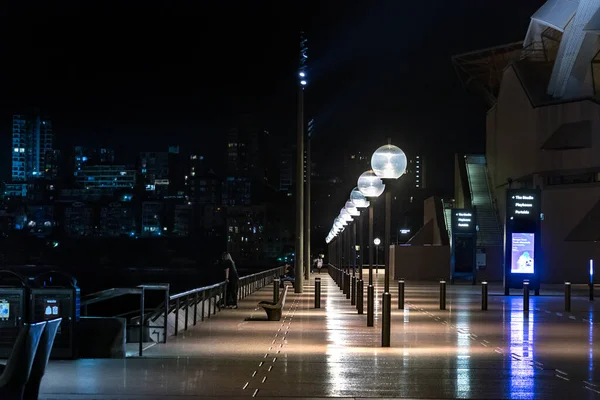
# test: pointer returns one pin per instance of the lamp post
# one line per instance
(352, 210)
(299, 250)
(307, 231)
(371, 187)
(389, 163)
(360, 202)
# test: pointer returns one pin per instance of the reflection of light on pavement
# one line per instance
(591, 348)
(463, 356)
(336, 349)
(521, 338)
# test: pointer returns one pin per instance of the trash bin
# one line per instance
(14, 293)
(55, 294)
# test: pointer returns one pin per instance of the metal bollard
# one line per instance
(276, 283)
(343, 286)
(591, 285)
(360, 288)
(386, 319)
(567, 296)
(353, 291)
(401, 294)
(370, 304)
(526, 298)
(442, 295)
(484, 296)
(347, 286)
(317, 292)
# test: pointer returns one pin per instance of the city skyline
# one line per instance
(177, 83)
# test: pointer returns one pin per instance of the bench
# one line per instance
(274, 309)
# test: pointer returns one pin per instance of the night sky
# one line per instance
(148, 74)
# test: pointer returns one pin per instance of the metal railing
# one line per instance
(140, 290)
(199, 302)
(207, 299)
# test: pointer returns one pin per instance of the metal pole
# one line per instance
(360, 296)
(177, 315)
(442, 295)
(276, 283)
(591, 287)
(371, 244)
(317, 292)
(142, 322)
(353, 250)
(361, 251)
(386, 320)
(299, 250)
(195, 306)
(401, 294)
(166, 312)
(567, 296)
(526, 298)
(484, 296)
(187, 307)
(307, 255)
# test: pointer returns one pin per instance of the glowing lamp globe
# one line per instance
(376, 241)
(351, 208)
(389, 162)
(358, 199)
(345, 215)
(370, 185)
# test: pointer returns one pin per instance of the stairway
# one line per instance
(489, 233)
(448, 218)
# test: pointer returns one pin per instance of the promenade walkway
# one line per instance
(461, 352)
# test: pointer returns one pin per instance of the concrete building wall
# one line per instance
(421, 263)
(516, 132)
(563, 208)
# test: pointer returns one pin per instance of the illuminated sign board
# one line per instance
(522, 253)
(4, 310)
(463, 221)
(523, 205)
(523, 239)
(463, 244)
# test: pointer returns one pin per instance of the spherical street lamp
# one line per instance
(388, 162)
(345, 215)
(377, 241)
(370, 185)
(351, 208)
(358, 199)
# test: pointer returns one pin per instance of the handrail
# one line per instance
(197, 290)
(190, 299)
(107, 294)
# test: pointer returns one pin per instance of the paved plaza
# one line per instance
(461, 352)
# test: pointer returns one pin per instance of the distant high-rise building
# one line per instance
(32, 140)
(92, 156)
(52, 164)
(246, 149)
(108, 177)
(416, 170)
(154, 165)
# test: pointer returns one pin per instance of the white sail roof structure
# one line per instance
(555, 14)
(575, 19)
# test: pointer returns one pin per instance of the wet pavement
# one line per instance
(460, 352)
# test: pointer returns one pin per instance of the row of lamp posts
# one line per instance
(388, 163)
